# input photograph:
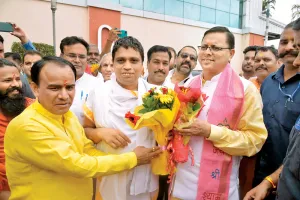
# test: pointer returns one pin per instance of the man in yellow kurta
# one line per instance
(47, 153)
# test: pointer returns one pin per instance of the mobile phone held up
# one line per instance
(6, 27)
(122, 34)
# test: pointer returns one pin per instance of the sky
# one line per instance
(283, 13)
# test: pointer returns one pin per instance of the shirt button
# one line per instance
(272, 116)
(283, 87)
(277, 101)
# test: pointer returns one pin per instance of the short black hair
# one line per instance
(296, 25)
(32, 53)
(172, 49)
(268, 48)
(250, 48)
(67, 41)
(128, 42)
(186, 47)
(15, 56)
(4, 62)
(1, 39)
(38, 66)
(158, 48)
(222, 29)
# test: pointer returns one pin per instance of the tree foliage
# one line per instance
(266, 2)
(44, 49)
(295, 11)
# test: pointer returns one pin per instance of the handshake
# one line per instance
(145, 155)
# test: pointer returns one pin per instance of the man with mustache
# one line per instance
(186, 61)
(265, 63)
(12, 103)
(158, 65)
(248, 62)
(281, 99)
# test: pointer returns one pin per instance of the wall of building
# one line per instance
(171, 34)
(35, 17)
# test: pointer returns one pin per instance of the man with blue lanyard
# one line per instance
(281, 98)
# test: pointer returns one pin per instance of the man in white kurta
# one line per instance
(75, 50)
(105, 124)
(215, 53)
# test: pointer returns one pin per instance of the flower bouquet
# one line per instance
(191, 103)
(158, 112)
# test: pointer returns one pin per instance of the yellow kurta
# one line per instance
(48, 157)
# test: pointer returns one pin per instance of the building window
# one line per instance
(223, 5)
(135, 4)
(222, 12)
(222, 18)
(197, 2)
(111, 1)
(174, 8)
(208, 15)
(191, 11)
(154, 6)
(235, 7)
(234, 21)
(209, 3)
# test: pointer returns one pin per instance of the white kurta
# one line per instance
(109, 105)
(83, 86)
(186, 182)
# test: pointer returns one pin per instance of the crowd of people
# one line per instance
(63, 133)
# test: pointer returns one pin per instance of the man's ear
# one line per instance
(232, 52)
(35, 89)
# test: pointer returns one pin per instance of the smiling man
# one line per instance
(248, 62)
(75, 50)
(104, 123)
(47, 153)
(12, 103)
(265, 63)
(186, 61)
(229, 126)
(158, 65)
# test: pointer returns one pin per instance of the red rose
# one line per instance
(133, 118)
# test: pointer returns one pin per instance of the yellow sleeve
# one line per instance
(39, 147)
(251, 134)
(89, 147)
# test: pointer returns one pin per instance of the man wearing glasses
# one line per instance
(186, 61)
(229, 126)
(75, 50)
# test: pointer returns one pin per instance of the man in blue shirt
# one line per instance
(281, 107)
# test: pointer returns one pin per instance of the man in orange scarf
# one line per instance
(12, 103)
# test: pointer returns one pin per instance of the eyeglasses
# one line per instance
(74, 56)
(192, 57)
(212, 48)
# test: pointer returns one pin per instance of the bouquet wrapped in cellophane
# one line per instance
(158, 112)
(191, 103)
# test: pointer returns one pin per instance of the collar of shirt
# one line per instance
(43, 111)
(181, 82)
(279, 75)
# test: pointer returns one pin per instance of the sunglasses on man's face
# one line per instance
(186, 55)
